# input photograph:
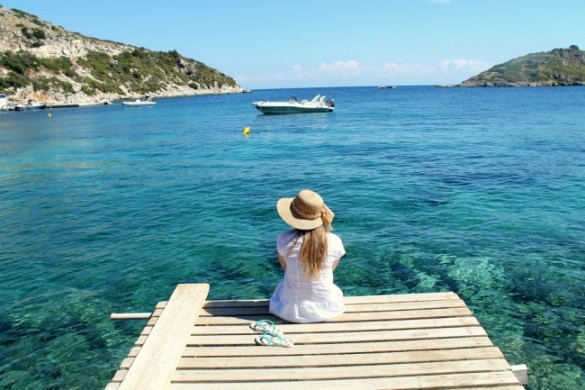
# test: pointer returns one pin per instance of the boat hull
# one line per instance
(293, 106)
(140, 104)
(278, 110)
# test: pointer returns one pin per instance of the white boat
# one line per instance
(30, 105)
(139, 103)
(3, 102)
(36, 105)
(318, 104)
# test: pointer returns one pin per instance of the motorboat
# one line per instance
(140, 103)
(36, 105)
(30, 105)
(318, 104)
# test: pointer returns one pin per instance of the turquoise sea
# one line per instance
(105, 209)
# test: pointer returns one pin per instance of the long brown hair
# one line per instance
(314, 249)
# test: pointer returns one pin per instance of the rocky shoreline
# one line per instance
(43, 63)
(24, 100)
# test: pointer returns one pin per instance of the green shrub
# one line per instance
(58, 65)
(20, 14)
(38, 33)
(14, 81)
(25, 33)
(51, 83)
(20, 62)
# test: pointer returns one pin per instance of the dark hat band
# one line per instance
(302, 214)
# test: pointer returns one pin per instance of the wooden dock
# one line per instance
(414, 341)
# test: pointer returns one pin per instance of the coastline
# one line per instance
(58, 100)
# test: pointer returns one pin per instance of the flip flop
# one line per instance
(266, 326)
(269, 340)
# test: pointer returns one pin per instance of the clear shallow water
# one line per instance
(106, 209)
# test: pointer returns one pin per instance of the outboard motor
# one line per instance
(330, 102)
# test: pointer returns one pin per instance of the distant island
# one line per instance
(44, 62)
(558, 67)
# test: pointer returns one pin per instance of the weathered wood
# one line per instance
(367, 316)
(503, 379)
(422, 341)
(356, 359)
(130, 316)
(348, 348)
(368, 299)
(363, 308)
(291, 329)
(345, 372)
(156, 362)
(349, 337)
(521, 372)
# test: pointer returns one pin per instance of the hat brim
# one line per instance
(283, 206)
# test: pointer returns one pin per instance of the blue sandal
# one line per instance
(266, 326)
(269, 340)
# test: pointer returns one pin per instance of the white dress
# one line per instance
(298, 298)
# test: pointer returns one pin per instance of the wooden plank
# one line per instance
(481, 380)
(349, 300)
(130, 316)
(521, 372)
(158, 358)
(126, 363)
(119, 376)
(342, 360)
(374, 307)
(291, 329)
(323, 349)
(369, 316)
(347, 337)
(344, 372)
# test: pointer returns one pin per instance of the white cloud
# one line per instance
(352, 72)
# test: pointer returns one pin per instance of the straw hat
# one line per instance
(306, 211)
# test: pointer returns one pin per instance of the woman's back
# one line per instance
(301, 297)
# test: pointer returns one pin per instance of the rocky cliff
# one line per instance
(43, 61)
(558, 67)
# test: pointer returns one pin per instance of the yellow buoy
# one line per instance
(246, 131)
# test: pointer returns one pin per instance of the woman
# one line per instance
(308, 254)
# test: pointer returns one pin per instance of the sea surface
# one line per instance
(105, 209)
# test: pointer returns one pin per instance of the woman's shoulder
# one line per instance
(333, 237)
(285, 237)
(335, 244)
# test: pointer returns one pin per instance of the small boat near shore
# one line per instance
(63, 105)
(30, 105)
(140, 103)
(318, 104)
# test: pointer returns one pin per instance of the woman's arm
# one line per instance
(335, 264)
(282, 262)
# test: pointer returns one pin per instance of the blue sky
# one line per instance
(318, 43)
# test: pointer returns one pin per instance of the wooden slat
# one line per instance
(341, 360)
(130, 316)
(349, 348)
(158, 358)
(475, 381)
(291, 329)
(348, 299)
(370, 307)
(348, 337)
(345, 372)
(370, 316)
